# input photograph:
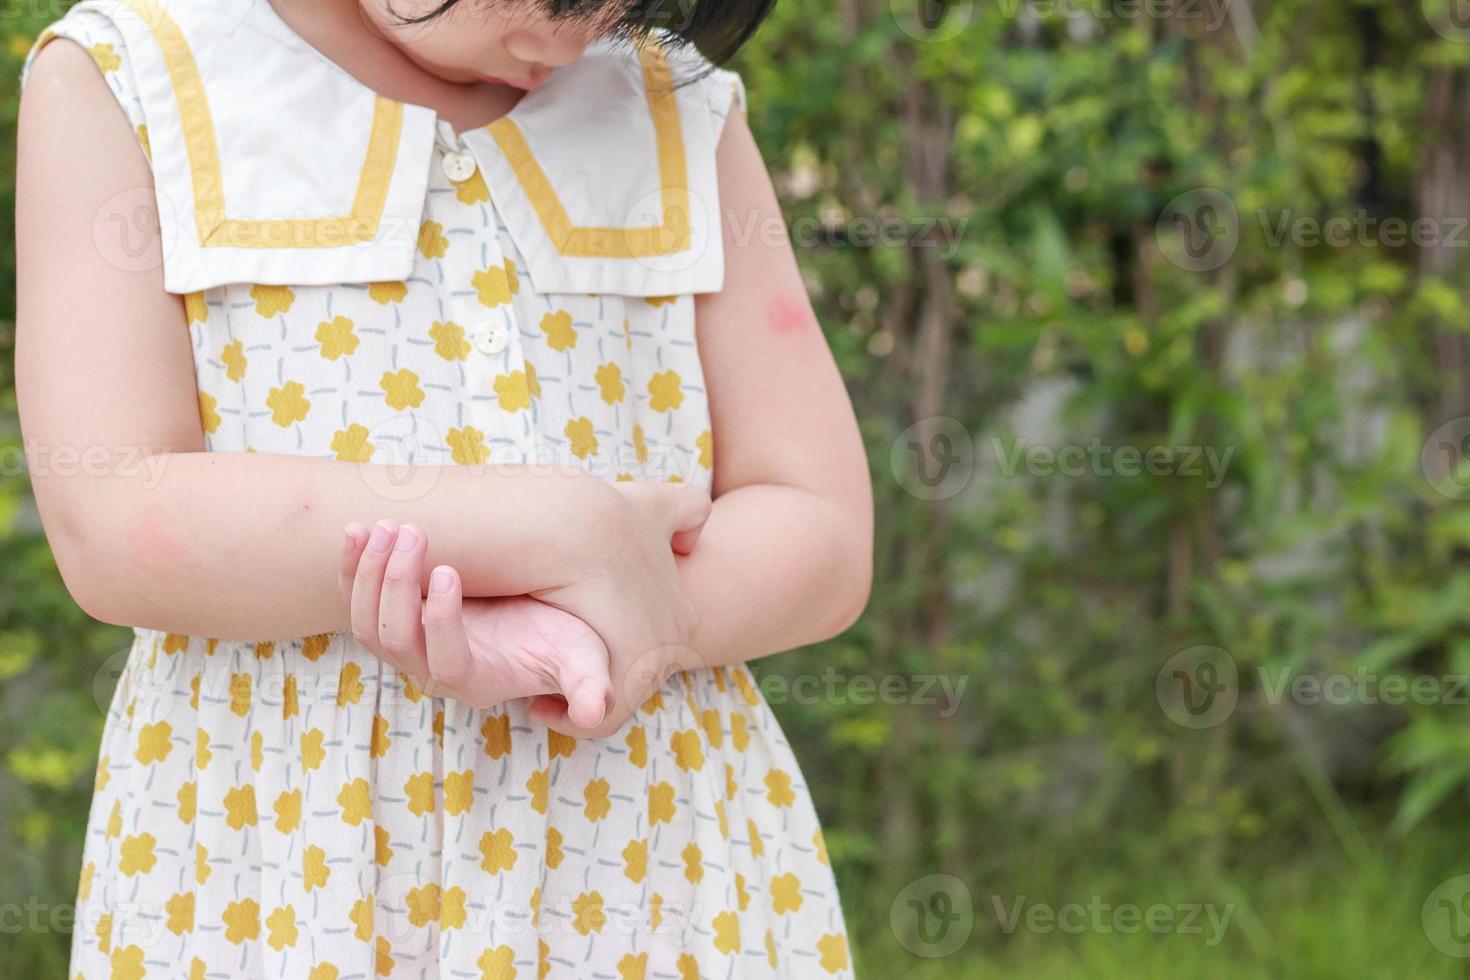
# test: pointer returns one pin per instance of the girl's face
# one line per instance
(511, 42)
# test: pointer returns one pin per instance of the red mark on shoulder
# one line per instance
(789, 315)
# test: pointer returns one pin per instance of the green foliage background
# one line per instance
(1050, 138)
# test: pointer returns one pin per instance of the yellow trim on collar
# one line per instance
(216, 229)
(672, 235)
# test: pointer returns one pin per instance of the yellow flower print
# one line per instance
(314, 646)
(142, 130)
(314, 868)
(265, 650)
(785, 893)
(742, 897)
(432, 242)
(449, 342)
(596, 796)
(351, 445)
(281, 925)
(288, 811)
(379, 740)
(387, 292)
(635, 860)
(472, 190)
(202, 869)
(240, 809)
(558, 744)
(362, 918)
(420, 792)
(383, 961)
(209, 419)
(84, 881)
(336, 337)
(730, 786)
(660, 803)
(196, 310)
(640, 444)
(497, 963)
(665, 391)
(739, 732)
(312, 749)
(467, 446)
(234, 360)
(459, 791)
(516, 389)
(356, 802)
(324, 971)
(105, 57)
(497, 850)
(610, 383)
(153, 743)
(638, 746)
(197, 969)
(127, 963)
(727, 932)
(705, 443)
(553, 848)
(713, 731)
(820, 843)
(290, 700)
(423, 904)
(382, 851)
(543, 958)
(402, 390)
(536, 907)
(778, 788)
(724, 823)
(452, 912)
(349, 684)
(137, 854)
(560, 335)
(657, 301)
(693, 866)
(104, 775)
(438, 728)
(496, 732)
(188, 797)
(587, 914)
(687, 753)
(833, 947)
(688, 967)
(655, 702)
(288, 404)
(771, 948)
(747, 689)
(497, 284)
(104, 932)
(757, 844)
(584, 441)
(257, 750)
(271, 300)
(632, 967)
(242, 920)
(539, 784)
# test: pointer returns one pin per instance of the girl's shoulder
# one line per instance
(272, 164)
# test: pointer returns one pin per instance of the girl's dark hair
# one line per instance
(717, 28)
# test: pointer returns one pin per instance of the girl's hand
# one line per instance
(478, 651)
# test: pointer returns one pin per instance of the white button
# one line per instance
(459, 165)
(492, 338)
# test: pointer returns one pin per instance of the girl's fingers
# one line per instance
(401, 603)
(455, 671)
(367, 584)
(355, 538)
(585, 683)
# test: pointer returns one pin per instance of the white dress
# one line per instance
(299, 809)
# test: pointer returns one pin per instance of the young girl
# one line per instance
(475, 284)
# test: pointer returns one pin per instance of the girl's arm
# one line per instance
(149, 530)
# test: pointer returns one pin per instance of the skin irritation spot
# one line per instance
(788, 315)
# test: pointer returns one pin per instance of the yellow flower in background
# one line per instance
(432, 243)
(336, 337)
(420, 792)
(785, 893)
(660, 803)
(472, 190)
(583, 439)
(553, 848)
(209, 419)
(240, 808)
(188, 797)
(402, 389)
(153, 743)
(539, 784)
(833, 947)
(288, 404)
(234, 359)
(496, 285)
(687, 752)
(356, 802)
(314, 868)
(635, 860)
(281, 925)
(587, 914)
(137, 854)
(496, 731)
(242, 920)
(459, 791)
(727, 932)
(387, 292)
(467, 446)
(693, 863)
(272, 300)
(449, 342)
(288, 811)
(497, 849)
(560, 334)
(609, 379)
(423, 904)
(595, 794)
(497, 963)
(665, 391)
(637, 741)
(778, 788)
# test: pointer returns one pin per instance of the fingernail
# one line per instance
(408, 536)
(441, 579)
(382, 534)
(347, 540)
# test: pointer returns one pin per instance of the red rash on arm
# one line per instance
(789, 315)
